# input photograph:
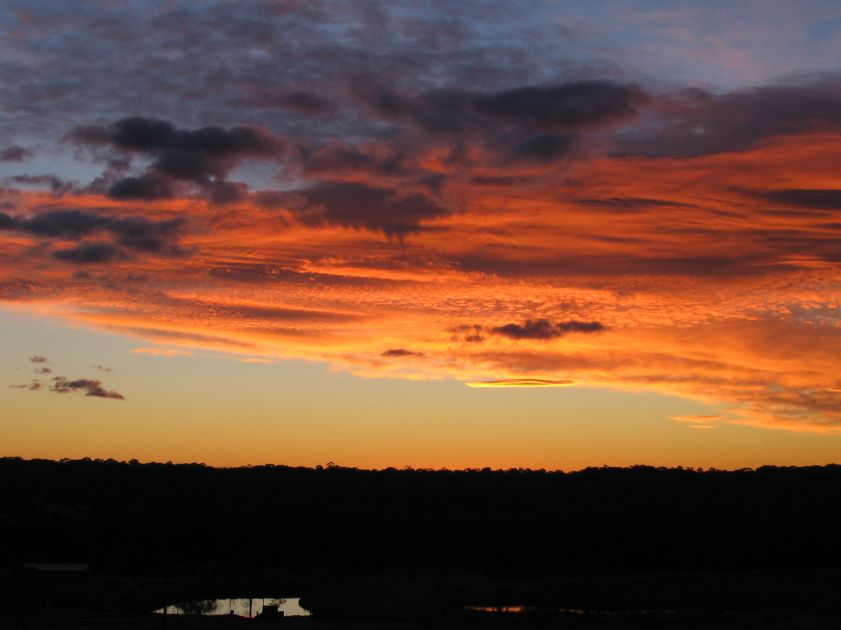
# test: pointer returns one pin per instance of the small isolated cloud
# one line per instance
(55, 183)
(401, 352)
(543, 329)
(91, 387)
(34, 386)
(43, 370)
(522, 382)
(101, 368)
(38, 359)
(710, 421)
(15, 154)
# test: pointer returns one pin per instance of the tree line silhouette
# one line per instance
(139, 518)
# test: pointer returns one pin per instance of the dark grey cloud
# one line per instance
(70, 224)
(15, 153)
(341, 158)
(56, 184)
(696, 122)
(401, 353)
(567, 107)
(806, 198)
(157, 137)
(89, 253)
(134, 233)
(360, 206)
(543, 148)
(225, 192)
(201, 156)
(543, 329)
(145, 187)
(539, 124)
(90, 387)
(440, 111)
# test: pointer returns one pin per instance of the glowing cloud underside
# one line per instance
(521, 382)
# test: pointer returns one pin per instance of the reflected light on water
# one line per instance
(239, 606)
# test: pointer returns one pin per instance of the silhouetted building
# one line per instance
(271, 611)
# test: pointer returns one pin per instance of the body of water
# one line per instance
(241, 606)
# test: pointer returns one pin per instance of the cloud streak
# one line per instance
(522, 382)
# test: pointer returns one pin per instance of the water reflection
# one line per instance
(543, 610)
(240, 606)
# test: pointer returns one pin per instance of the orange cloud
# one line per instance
(521, 382)
(713, 277)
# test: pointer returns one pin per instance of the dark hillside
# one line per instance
(138, 518)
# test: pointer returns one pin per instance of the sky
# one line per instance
(429, 234)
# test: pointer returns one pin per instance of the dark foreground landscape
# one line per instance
(102, 544)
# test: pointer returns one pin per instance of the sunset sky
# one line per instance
(437, 234)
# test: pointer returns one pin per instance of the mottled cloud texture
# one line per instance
(483, 192)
